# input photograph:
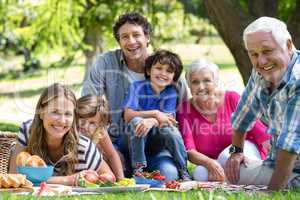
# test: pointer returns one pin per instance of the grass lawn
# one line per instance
(191, 195)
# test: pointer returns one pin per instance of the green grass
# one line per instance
(191, 195)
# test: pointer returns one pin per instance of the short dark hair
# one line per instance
(131, 18)
(164, 57)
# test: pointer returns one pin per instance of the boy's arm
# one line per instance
(162, 118)
(129, 114)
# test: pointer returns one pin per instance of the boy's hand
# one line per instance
(144, 126)
(165, 119)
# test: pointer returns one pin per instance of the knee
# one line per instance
(170, 132)
(200, 173)
(223, 157)
(169, 171)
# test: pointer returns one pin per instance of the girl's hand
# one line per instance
(144, 126)
(215, 171)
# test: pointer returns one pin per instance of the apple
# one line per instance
(105, 177)
(91, 177)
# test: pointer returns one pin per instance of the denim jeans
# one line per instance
(170, 139)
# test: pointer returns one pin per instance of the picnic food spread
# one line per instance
(52, 190)
(25, 159)
(14, 181)
(151, 175)
(92, 180)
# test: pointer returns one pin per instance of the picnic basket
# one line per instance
(7, 140)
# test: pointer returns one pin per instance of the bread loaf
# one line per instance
(35, 161)
(22, 158)
(14, 181)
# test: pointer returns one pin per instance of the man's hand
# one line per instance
(232, 167)
(215, 171)
(144, 126)
(165, 119)
(283, 169)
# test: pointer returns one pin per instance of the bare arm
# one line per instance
(111, 155)
(232, 166)
(215, 170)
(283, 170)
(162, 118)
(129, 114)
(12, 164)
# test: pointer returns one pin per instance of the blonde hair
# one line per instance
(37, 140)
(88, 106)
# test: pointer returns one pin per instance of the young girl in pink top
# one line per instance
(204, 122)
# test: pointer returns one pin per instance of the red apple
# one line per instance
(91, 177)
(105, 177)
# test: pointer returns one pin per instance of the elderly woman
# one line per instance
(204, 122)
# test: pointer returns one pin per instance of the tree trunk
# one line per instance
(294, 25)
(230, 21)
(93, 38)
(259, 8)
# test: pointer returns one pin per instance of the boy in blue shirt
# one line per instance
(149, 109)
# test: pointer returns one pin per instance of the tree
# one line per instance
(68, 26)
(230, 18)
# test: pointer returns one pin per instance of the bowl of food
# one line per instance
(36, 175)
(33, 167)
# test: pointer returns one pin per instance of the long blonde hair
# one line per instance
(88, 106)
(37, 140)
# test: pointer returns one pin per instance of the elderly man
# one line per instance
(111, 75)
(272, 92)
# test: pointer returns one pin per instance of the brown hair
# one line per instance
(89, 105)
(37, 140)
(131, 18)
(164, 57)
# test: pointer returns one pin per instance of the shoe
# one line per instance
(185, 176)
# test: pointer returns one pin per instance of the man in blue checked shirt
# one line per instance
(273, 94)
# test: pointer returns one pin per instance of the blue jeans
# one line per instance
(169, 138)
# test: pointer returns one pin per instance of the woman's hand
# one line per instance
(165, 119)
(215, 171)
(144, 126)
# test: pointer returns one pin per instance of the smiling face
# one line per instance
(161, 76)
(267, 57)
(204, 91)
(133, 42)
(88, 126)
(57, 118)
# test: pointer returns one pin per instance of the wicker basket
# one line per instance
(6, 141)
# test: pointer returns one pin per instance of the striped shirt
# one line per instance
(280, 110)
(87, 154)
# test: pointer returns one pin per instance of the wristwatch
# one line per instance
(235, 149)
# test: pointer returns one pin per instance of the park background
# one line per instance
(47, 41)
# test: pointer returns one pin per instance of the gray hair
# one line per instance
(269, 24)
(201, 64)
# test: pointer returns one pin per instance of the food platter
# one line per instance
(116, 189)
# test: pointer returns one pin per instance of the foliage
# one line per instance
(35, 28)
(8, 126)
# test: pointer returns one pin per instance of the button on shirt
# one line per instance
(280, 110)
(142, 97)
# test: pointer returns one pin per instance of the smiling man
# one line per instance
(114, 71)
(272, 92)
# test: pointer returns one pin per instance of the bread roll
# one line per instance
(35, 161)
(22, 158)
(13, 181)
(5, 182)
